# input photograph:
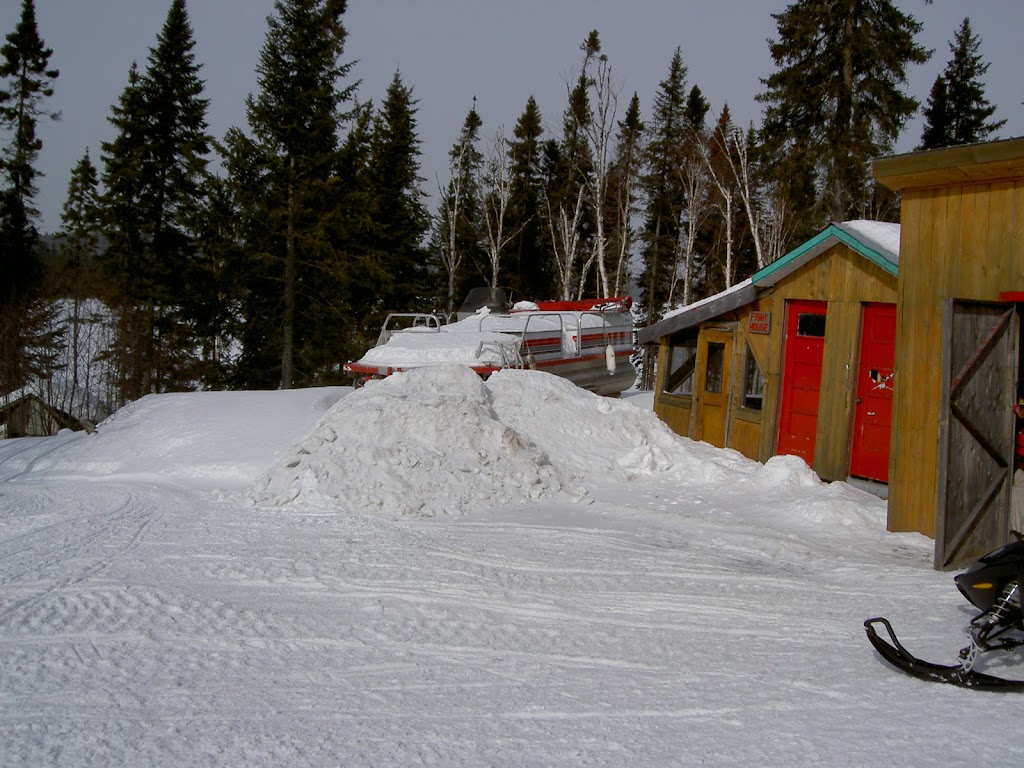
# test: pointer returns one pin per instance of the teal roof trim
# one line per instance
(821, 242)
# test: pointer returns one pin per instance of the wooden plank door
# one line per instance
(975, 430)
(715, 360)
(801, 378)
(872, 412)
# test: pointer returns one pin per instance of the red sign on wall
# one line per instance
(760, 322)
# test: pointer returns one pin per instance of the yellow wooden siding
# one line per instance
(847, 281)
(844, 279)
(962, 242)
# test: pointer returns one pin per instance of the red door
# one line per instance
(801, 378)
(872, 414)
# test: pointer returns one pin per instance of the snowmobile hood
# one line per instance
(982, 581)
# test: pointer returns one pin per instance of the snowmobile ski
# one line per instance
(955, 674)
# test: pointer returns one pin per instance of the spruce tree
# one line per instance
(154, 175)
(958, 112)
(528, 271)
(400, 215)
(79, 243)
(837, 99)
(26, 81)
(283, 179)
(937, 131)
(80, 228)
(669, 135)
(623, 192)
(567, 171)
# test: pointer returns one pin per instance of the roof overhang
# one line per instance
(970, 164)
(727, 301)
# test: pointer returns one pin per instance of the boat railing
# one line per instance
(546, 335)
(509, 354)
(403, 321)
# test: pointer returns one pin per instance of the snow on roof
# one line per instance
(880, 236)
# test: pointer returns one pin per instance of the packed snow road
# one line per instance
(643, 601)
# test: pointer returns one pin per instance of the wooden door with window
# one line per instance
(801, 378)
(714, 364)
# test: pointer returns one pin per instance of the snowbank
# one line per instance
(212, 440)
(441, 441)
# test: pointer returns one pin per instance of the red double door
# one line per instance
(801, 386)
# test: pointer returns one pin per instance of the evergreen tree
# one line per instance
(528, 270)
(623, 192)
(283, 179)
(25, 82)
(400, 215)
(957, 111)
(937, 130)
(79, 243)
(80, 228)
(567, 170)
(836, 99)
(676, 115)
(155, 174)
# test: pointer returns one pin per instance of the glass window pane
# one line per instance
(716, 368)
(682, 357)
(753, 383)
(810, 324)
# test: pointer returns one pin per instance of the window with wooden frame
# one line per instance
(682, 359)
(753, 382)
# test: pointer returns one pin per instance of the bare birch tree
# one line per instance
(496, 196)
(599, 137)
(447, 224)
(694, 183)
(462, 187)
(564, 226)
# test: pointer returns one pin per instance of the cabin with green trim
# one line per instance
(797, 359)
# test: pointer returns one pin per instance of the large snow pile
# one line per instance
(440, 440)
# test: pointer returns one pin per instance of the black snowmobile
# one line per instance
(993, 586)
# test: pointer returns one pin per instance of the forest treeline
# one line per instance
(278, 266)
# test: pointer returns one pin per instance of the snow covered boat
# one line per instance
(589, 342)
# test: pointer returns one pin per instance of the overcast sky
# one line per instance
(449, 51)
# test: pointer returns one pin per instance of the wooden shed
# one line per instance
(28, 415)
(795, 360)
(958, 372)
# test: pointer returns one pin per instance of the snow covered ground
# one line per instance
(437, 571)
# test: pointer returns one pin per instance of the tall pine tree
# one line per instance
(26, 81)
(400, 215)
(283, 178)
(528, 270)
(836, 99)
(623, 192)
(155, 174)
(677, 122)
(957, 111)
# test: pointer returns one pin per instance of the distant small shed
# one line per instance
(28, 415)
(797, 359)
(959, 375)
